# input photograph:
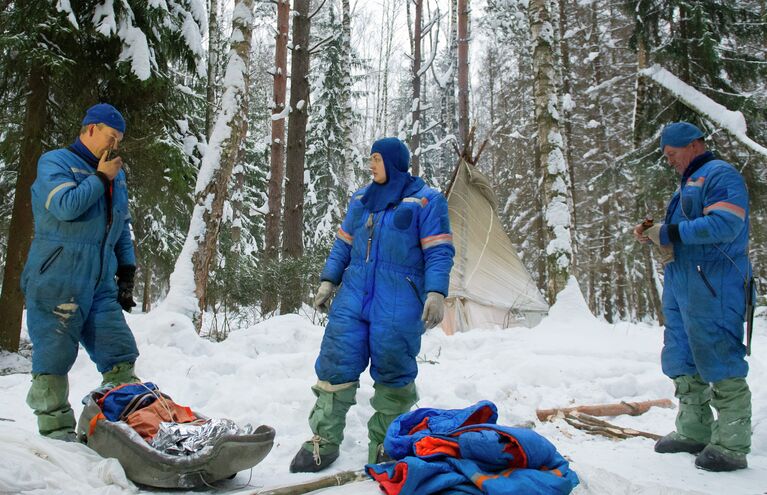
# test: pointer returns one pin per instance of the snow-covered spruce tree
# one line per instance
(71, 55)
(550, 147)
(506, 115)
(327, 184)
(188, 283)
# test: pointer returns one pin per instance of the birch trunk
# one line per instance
(229, 130)
(415, 137)
(346, 54)
(551, 148)
(214, 44)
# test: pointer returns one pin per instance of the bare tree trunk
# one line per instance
(20, 231)
(415, 130)
(564, 50)
(552, 161)
(223, 151)
(273, 218)
(640, 96)
(492, 73)
(146, 300)
(447, 98)
(391, 17)
(463, 71)
(214, 45)
(293, 243)
(346, 56)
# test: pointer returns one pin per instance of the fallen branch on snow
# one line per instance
(596, 426)
(337, 479)
(631, 408)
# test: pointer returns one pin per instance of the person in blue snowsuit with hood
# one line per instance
(82, 241)
(704, 244)
(392, 258)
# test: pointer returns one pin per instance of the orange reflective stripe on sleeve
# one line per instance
(347, 238)
(728, 207)
(436, 240)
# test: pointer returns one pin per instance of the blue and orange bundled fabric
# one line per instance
(464, 451)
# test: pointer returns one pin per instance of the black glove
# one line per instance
(125, 275)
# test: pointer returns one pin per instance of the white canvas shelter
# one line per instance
(489, 285)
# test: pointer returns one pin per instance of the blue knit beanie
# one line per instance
(394, 153)
(104, 113)
(679, 135)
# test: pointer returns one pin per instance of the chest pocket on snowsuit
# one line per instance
(692, 199)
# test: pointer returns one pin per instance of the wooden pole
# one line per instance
(327, 482)
(631, 408)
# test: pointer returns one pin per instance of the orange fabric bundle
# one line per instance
(147, 421)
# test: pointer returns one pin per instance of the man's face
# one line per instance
(377, 168)
(104, 138)
(680, 158)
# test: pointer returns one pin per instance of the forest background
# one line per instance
(250, 123)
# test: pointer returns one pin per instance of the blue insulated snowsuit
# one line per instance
(704, 296)
(68, 281)
(386, 262)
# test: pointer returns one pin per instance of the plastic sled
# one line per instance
(145, 465)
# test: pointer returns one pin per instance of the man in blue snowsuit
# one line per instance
(82, 241)
(704, 242)
(392, 258)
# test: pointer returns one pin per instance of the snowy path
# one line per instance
(263, 374)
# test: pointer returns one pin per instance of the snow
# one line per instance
(193, 39)
(734, 122)
(66, 8)
(263, 375)
(135, 49)
(104, 18)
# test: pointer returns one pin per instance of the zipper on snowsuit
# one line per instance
(415, 289)
(51, 258)
(705, 280)
(370, 225)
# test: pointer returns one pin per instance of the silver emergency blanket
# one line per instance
(188, 438)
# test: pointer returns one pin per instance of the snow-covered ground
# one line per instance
(262, 375)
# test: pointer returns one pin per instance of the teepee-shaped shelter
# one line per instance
(489, 285)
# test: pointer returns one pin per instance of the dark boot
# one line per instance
(327, 421)
(732, 429)
(388, 402)
(715, 458)
(311, 461)
(694, 419)
(674, 442)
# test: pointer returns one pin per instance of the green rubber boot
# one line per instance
(731, 433)
(694, 419)
(49, 399)
(388, 403)
(327, 421)
(120, 374)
